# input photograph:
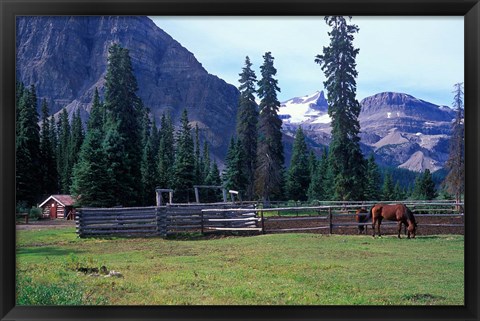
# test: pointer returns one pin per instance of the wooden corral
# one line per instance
(163, 220)
(230, 217)
(58, 206)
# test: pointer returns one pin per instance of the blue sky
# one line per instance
(421, 56)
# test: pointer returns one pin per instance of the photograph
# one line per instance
(230, 165)
(145, 177)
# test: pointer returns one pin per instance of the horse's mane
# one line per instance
(410, 215)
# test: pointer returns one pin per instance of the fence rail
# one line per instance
(228, 217)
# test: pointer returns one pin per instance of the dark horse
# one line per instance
(392, 212)
(361, 217)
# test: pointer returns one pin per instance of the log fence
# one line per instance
(228, 217)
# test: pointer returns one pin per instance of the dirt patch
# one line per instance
(276, 223)
(273, 224)
(45, 224)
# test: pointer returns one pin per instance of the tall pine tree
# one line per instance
(455, 180)
(247, 120)
(338, 64)
(92, 174)
(233, 176)
(148, 164)
(184, 167)
(76, 140)
(47, 154)
(198, 159)
(166, 153)
(27, 146)
(270, 159)
(122, 143)
(63, 152)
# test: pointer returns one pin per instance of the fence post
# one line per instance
(78, 223)
(161, 214)
(263, 224)
(330, 220)
(201, 221)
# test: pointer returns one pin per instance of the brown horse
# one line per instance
(393, 212)
(360, 217)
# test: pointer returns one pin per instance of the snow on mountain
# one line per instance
(307, 109)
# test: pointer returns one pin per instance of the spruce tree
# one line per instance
(198, 159)
(269, 172)
(206, 161)
(424, 188)
(148, 164)
(315, 190)
(54, 146)
(155, 137)
(213, 179)
(247, 120)
(388, 192)
(47, 154)
(298, 175)
(454, 183)
(372, 180)
(166, 153)
(148, 170)
(76, 140)
(92, 174)
(63, 152)
(319, 188)
(27, 146)
(338, 63)
(312, 163)
(233, 176)
(327, 174)
(122, 143)
(398, 192)
(184, 167)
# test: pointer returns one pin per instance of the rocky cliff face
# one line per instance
(66, 58)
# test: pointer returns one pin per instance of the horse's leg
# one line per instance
(373, 226)
(399, 228)
(379, 224)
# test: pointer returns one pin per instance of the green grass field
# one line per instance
(281, 269)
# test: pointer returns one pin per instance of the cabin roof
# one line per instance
(64, 200)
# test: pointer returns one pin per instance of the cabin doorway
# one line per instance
(53, 211)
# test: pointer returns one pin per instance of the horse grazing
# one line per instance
(393, 212)
(360, 217)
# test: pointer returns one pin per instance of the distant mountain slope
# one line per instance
(401, 130)
(66, 58)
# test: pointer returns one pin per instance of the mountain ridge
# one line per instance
(400, 129)
(66, 59)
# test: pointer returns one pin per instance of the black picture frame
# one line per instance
(470, 9)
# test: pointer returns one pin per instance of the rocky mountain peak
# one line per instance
(387, 105)
(66, 58)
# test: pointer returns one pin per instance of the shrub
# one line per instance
(35, 212)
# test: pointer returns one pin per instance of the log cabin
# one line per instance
(58, 206)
